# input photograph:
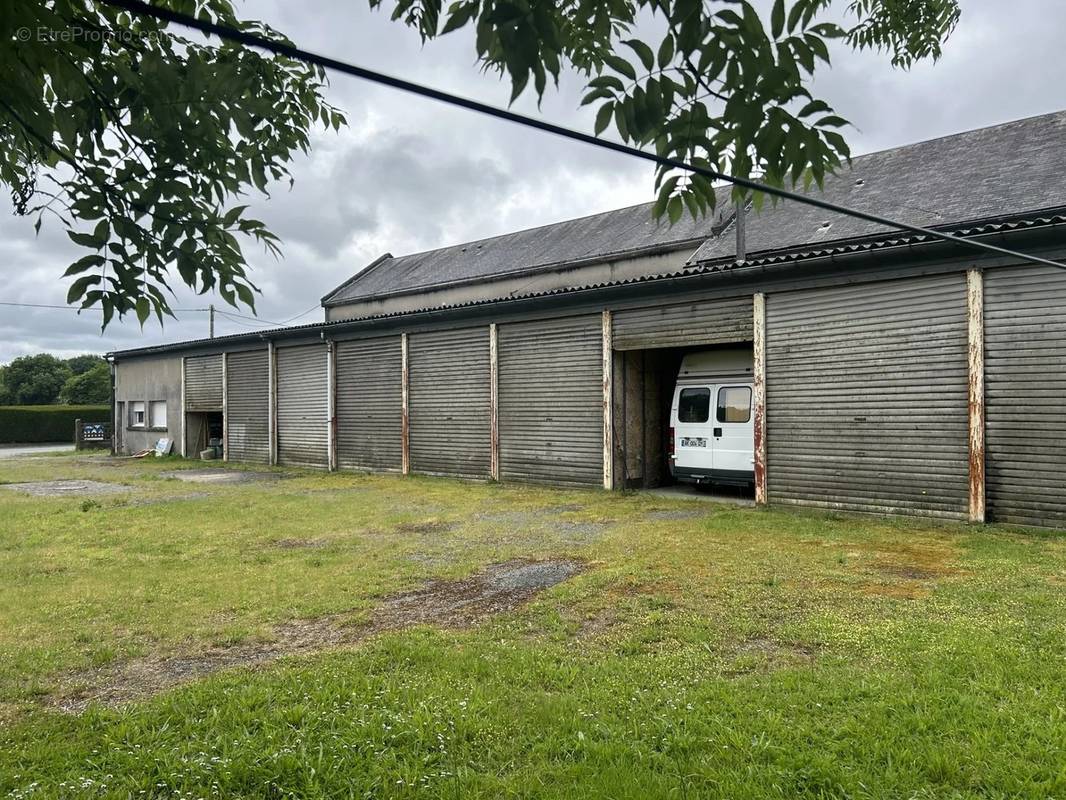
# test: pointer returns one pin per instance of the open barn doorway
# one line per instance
(651, 344)
(643, 388)
(203, 434)
(643, 394)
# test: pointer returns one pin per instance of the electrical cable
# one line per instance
(291, 51)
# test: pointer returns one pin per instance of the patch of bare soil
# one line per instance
(426, 527)
(910, 572)
(220, 475)
(154, 501)
(446, 603)
(453, 604)
(65, 488)
(763, 653)
(301, 544)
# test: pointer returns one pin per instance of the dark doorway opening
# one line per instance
(643, 391)
(203, 431)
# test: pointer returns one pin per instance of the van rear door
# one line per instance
(692, 427)
(734, 430)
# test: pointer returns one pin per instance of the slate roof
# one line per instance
(988, 173)
(983, 174)
(599, 237)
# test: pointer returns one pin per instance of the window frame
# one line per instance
(681, 399)
(132, 407)
(719, 408)
(150, 419)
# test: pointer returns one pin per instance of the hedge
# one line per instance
(46, 423)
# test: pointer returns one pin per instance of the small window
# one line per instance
(694, 405)
(157, 414)
(734, 404)
(137, 414)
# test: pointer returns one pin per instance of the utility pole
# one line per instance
(211, 321)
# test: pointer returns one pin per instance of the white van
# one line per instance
(712, 430)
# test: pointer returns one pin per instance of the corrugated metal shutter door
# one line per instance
(551, 400)
(248, 406)
(685, 324)
(303, 406)
(203, 383)
(867, 405)
(370, 403)
(448, 374)
(1025, 395)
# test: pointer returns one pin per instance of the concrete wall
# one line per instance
(517, 285)
(149, 379)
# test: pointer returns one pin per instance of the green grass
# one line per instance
(739, 653)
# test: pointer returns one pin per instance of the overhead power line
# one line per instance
(77, 308)
(291, 51)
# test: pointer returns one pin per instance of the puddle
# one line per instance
(446, 603)
(65, 488)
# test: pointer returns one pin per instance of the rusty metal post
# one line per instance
(405, 430)
(272, 401)
(331, 405)
(608, 403)
(759, 394)
(975, 307)
(225, 407)
(494, 404)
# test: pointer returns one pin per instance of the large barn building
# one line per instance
(892, 373)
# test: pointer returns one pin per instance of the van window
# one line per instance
(734, 404)
(694, 405)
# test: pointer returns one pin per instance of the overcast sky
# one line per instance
(409, 174)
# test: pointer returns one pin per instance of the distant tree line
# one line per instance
(45, 379)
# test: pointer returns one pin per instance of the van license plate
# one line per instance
(698, 442)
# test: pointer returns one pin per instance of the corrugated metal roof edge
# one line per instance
(600, 258)
(357, 276)
(1047, 218)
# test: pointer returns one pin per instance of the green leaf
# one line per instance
(84, 263)
(814, 107)
(644, 53)
(832, 121)
(603, 118)
(777, 19)
(674, 209)
(620, 65)
(607, 82)
(84, 239)
(597, 94)
(666, 51)
(459, 15)
(143, 309)
(77, 289)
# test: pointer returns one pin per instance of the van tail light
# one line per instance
(670, 444)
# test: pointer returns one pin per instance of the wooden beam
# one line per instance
(272, 401)
(975, 304)
(759, 394)
(405, 420)
(225, 406)
(331, 405)
(608, 404)
(494, 403)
